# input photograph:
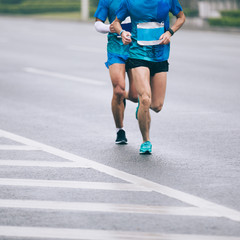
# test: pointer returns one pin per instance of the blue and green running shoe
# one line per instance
(146, 148)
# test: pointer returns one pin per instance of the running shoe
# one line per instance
(146, 148)
(121, 137)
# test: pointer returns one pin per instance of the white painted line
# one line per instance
(33, 163)
(72, 184)
(85, 49)
(63, 76)
(105, 207)
(18, 148)
(89, 234)
(138, 181)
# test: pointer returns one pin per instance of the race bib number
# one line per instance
(148, 33)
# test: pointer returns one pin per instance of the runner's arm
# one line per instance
(176, 26)
(179, 22)
(126, 36)
(102, 27)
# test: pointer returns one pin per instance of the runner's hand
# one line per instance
(165, 38)
(112, 30)
(126, 37)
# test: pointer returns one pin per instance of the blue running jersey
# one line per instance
(107, 9)
(154, 15)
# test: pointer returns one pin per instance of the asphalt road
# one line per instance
(62, 176)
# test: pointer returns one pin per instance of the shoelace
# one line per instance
(146, 144)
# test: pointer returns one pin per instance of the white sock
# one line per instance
(118, 129)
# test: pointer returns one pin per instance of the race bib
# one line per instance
(148, 33)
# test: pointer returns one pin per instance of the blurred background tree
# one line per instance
(38, 6)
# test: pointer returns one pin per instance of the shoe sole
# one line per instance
(121, 143)
(146, 153)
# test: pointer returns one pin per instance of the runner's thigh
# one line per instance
(158, 87)
(141, 79)
(132, 89)
(117, 74)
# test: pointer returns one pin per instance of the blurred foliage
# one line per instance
(38, 6)
(10, 1)
(94, 3)
(48, 6)
(93, 7)
(230, 18)
(232, 13)
(224, 22)
(190, 12)
(44, 6)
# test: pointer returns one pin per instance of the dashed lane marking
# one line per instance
(34, 163)
(17, 148)
(105, 207)
(63, 76)
(137, 181)
(90, 234)
(72, 184)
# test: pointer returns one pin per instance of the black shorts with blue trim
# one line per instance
(154, 67)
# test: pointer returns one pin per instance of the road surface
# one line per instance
(62, 176)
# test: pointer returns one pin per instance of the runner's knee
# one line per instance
(157, 108)
(133, 97)
(119, 92)
(146, 101)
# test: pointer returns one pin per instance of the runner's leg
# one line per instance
(141, 76)
(117, 75)
(132, 94)
(158, 87)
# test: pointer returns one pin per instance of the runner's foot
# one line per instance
(121, 137)
(146, 148)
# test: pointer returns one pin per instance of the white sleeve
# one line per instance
(102, 27)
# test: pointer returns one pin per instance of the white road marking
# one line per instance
(63, 76)
(105, 207)
(90, 234)
(85, 49)
(17, 148)
(138, 181)
(33, 163)
(72, 184)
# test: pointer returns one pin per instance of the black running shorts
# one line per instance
(154, 67)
